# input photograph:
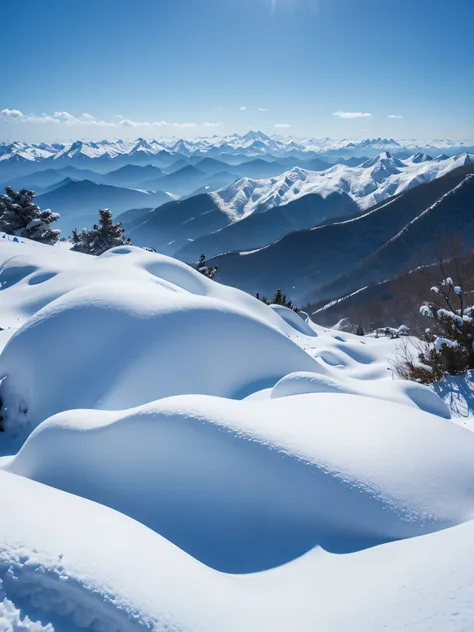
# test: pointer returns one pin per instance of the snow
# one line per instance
(372, 182)
(250, 144)
(221, 459)
(457, 391)
(409, 394)
(156, 328)
(296, 320)
(178, 455)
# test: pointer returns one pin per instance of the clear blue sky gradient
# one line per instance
(203, 60)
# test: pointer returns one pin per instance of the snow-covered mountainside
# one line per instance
(250, 214)
(177, 455)
(368, 184)
(387, 240)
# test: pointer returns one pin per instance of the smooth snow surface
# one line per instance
(178, 456)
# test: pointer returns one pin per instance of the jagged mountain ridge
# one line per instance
(252, 143)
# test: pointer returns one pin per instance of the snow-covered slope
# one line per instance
(95, 569)
(337, 258)
(368, 184)
(249, 214)
(170, 442)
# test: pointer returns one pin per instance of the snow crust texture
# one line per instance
(178, 456)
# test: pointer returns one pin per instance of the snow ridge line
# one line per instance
(342, 298)
(320, 226)
(219, 202)
(430, 208)
(227, 208)
(389, 241)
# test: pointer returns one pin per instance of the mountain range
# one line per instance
(335, 259)
(320, 218)
(253, 143)
(249, 214)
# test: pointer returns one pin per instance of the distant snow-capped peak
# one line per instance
(251, 144)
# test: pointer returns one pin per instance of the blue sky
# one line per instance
(110, 68)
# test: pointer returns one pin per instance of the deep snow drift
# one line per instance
(179, 456)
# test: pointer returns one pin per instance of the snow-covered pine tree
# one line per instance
(447, 347)
(102, 236)
(20, 216)
(204, 269)
(451, 339)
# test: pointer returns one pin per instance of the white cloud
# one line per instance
(15, 114)
(165, 123)
(262, 109)
(126, 123)
(57, 117)
(282, 125)
(351, 115)
(86, 119)
(69, 119)
(394, 116)
(243, 108)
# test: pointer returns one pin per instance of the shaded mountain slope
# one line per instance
(177, 222)
(417, 242)
(305, 261)
(79, 201)
(260, 229)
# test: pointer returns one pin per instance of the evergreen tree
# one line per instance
(102, 236)
(204, 269)
(278, 299)
(20, 216)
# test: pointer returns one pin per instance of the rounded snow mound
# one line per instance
(75, 572)
(118, 345)
(294, 320)
(42, 274)
(248, 485)
(400, 391)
